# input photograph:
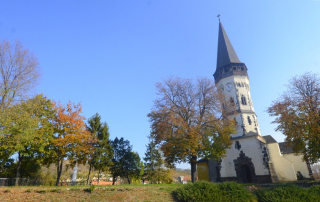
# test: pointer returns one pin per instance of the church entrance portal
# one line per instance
(245, 172)
(244, 169)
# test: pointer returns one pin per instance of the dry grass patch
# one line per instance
(101, 193)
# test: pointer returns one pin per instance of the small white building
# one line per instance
(252, 158)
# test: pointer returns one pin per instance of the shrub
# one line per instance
(113, 189)
(206, 191)
(300, 176)
(75, 189)
(91, 189)
(288, 193)
(55, 190)
(233, 191)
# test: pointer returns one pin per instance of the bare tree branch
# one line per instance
(19, 71)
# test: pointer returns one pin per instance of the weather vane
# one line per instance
(219, 17)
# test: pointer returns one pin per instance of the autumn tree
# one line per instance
(188, 122)
(155, 170)
(71, 138)
(297, 113)
(26, 130)
(19, 73)
(101, 157)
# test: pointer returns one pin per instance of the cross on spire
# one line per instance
(218, 17)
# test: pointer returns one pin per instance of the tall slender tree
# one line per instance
(155, 171)
(100, 159)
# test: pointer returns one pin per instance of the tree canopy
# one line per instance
(71, 137)
(19, 73)
(125, 163)
(100, 158)
(297, 113)
(26, 130)
(188, 121)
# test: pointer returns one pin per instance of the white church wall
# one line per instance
(298, 164)
(252, 149)
(283, 167)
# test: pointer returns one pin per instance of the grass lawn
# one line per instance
(81, 193)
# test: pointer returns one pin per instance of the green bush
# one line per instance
(55, 190)
(206, 191)
(91, 189)
(286, 193)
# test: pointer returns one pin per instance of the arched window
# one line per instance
(243, 100)
(249, 120)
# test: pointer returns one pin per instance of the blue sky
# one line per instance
(109, 54)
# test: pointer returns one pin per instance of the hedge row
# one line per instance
(231, 191)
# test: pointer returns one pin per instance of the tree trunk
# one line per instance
(128, 179)
(20, 157)
(98, 177)
(193, 168)
(59, 171)
(89, 174)
(113, 179)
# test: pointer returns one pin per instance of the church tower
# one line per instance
(232, 78)
(252, 158)
(247, 159)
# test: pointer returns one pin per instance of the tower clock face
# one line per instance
(229, 87)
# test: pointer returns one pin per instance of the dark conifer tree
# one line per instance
(155, 171)
(103, 153)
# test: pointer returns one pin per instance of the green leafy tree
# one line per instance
(26, 130)
(125, 163)
(100, 159)
(155, 171)
(121, 149)
(133, 168)
(7, 169)
(297, 113)
(190, 120)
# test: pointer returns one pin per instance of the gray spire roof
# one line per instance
(226, 53)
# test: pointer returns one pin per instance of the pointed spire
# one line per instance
(228, 63)
(226, 53)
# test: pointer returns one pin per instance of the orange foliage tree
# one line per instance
(72, 141)
(188, 121)
(297, 113)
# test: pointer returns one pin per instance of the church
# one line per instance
(252, 158)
